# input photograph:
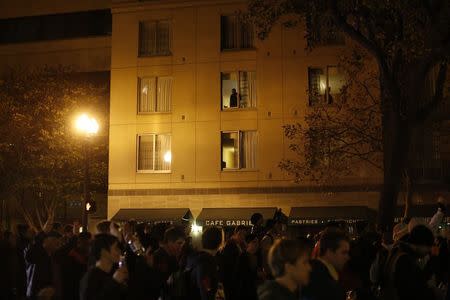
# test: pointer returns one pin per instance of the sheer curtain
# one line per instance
(163, 155)
(145, 152)
(249, 142)
(147, 95)
(164, 94)
(247, 87)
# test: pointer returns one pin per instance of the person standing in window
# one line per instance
(234, 98)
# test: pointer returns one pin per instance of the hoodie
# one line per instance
(272, 290)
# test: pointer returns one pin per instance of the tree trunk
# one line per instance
(395, 148)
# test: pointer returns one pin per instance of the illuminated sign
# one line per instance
(227, 222)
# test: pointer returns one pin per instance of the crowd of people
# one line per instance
(151, 262)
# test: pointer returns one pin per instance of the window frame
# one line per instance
(154, 156)
(139, 87)
(239, 34)
(238, 87)
(157, 21)
(327, 102)
(239, 168)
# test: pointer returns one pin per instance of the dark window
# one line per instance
(154, 38)
(235, 33)
(55, 27)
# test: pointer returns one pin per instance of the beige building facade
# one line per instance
(34, 35)
(180, 136)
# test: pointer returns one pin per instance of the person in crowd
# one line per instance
(144, 281)
(72, 268)
(97, 283)
(257, 221)
(333, 255)
(104, 227)
(24, 237)
(229, 259)
(204, 276)
(234, 98)
(38, 259)
(165, 259)
(248, 269)
(8, 276)
(273, 232)
(405, 275)
(289, 263)
(57, 227)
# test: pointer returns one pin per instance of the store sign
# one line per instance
(324, 221)
(227, 222)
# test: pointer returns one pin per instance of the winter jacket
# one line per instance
(272, 290)
(39, 270)
(322, 286)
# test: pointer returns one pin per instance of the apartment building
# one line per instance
(198, 105)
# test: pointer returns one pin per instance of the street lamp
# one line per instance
(88, 127)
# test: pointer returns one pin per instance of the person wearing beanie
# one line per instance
(403, 278)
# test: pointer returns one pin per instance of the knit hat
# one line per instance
(421, 235)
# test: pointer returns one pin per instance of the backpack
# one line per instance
(387, 290)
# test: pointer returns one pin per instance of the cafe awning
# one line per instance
(425, 211)
(232, 216)
(324, 214)
(154, 215)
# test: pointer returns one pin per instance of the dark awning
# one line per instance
(154, 215)
(232, 216)
(418, 211)
(325, 214)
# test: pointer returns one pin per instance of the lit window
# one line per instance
(324, 85)
(238, 89)
(236, 34)
(239, 150)
(155, 94)
(154, 153)
(154, 38)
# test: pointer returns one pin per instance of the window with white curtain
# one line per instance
(155, 94)
(238, 89)
(239, 149)
(236, 34)
(154, 153)
(324, 84)
(154, 38)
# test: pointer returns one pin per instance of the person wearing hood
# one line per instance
(405, 274)
(289, 263)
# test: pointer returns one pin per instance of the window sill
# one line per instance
(153, 55)
(238, 50)
(239, 109)
(153, 172)
(239, 170)
(154, 113)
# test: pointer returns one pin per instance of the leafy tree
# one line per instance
(336, 140)
(41, 155)
(408, 39)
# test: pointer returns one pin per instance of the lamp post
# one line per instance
(88, 127)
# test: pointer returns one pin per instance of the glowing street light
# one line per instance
(86, 125)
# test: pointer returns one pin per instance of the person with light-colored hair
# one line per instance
(289, 263)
